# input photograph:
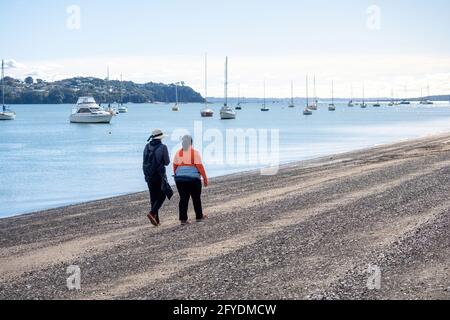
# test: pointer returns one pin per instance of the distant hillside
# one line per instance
(69, 90)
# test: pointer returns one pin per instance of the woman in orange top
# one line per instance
(189, 171)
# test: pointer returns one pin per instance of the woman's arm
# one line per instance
(201, 168)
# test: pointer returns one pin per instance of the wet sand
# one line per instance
(309, 232)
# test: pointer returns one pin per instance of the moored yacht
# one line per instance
(5, 113)
(292, 104)
(264, 107)
(122, 109)
(315, 105)
(88, 111)
(332, 106)
(227, 112)
(307, 111)
(206, 112)
(176, 107)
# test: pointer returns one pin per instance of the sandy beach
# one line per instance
(309, 232)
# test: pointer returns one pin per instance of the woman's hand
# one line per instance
(205, 183)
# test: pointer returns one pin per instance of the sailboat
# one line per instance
(426, 101)
(226, 112)
(314, 105)
(239, 106)
(206, 111)
(331, 106)
(264, 108)
(110, 108)
(392, 103)
(404, 101)
(350, 103)
(307, 111)
(377, 104)
(292, 105)
(122, 108)
(5, 113)
(176, 107)
(363, 103)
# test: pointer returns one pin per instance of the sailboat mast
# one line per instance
(315, 93)
(226, 82)
(307, 98)
(3, 85)
(332, 91)
(239, 94)
(121, 91)
(264, 94)
(108, 84)
(176, 93)
(364, 95)
(206, 79)
(292, 92)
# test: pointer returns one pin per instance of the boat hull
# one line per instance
(207, 114)
(227, 115)
(7, 116)
(75, 118)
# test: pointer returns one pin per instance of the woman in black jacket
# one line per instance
(156, 158)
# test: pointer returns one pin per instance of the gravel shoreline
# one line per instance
(309, 232)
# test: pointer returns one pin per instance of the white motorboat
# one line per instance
(88, 111)
(5, 113)
(227, 112)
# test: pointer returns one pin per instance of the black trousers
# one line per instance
(157, 197)
(190, 189)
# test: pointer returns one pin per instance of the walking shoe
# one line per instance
(205, 217)
(152, 219)
(185, 223)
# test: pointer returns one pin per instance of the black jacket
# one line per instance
(156, 158)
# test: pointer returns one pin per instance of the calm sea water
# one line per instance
(47, 162)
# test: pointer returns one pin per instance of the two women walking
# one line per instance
(189, 172)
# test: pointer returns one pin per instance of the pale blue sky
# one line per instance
(34, 33)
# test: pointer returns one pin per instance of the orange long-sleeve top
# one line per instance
(191, 158)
